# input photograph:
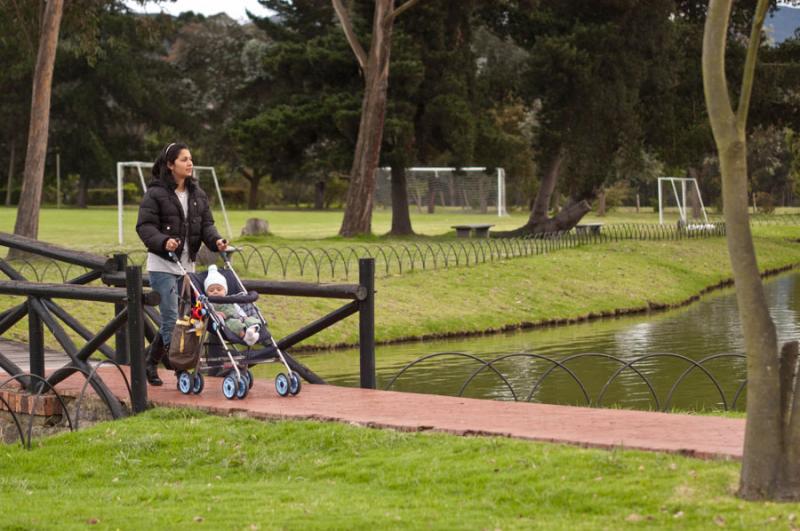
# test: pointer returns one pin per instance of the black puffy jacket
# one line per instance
(161, 218)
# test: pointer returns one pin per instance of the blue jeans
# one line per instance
(168, 286)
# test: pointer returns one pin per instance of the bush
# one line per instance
(335, 192)
(765, 203)
(233, 196)
(618, 194)
(131, 194)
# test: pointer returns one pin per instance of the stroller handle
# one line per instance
(241, 298)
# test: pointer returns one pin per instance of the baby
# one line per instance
(235, 319)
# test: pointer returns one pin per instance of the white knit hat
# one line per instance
(215, 277)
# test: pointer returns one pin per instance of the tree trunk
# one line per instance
(401, 219)
(541, 204)
(319, 195)
(568, 217)
(27, 223)
(82, 197)
(358, 205)
(694, 196)
(771, 458)
(638, 203)
(601, 202)
(252, 200)
(538, 222)
(11, 164)
(431, 195)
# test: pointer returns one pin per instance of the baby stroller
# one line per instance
(224, 353)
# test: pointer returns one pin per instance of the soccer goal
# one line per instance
(471, 189)
(201, 172)
(680, 186)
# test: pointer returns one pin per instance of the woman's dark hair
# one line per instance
(168, 155)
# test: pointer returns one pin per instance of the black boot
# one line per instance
(151, 363)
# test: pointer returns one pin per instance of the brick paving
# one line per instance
(697, 436)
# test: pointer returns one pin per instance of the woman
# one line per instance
(174, 217)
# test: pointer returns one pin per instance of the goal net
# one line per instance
(469, 189)
(679, 198)
(139, 173)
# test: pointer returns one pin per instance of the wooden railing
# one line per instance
(136, 321)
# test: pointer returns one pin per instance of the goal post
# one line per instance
(139, 166)
(679, 186)
(469, 188)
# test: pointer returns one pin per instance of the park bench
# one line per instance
(588, 228)
(478, 230)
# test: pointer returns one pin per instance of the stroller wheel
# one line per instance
(242, 389)
(294, 384)
(250, 378)
(282, 384)
(229, 387)
(184, 382)
(198, 384)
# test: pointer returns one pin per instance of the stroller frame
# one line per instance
(238, 384)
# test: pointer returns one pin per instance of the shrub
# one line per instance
(765, 203)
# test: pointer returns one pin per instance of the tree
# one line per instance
(106, 99)
(431, 118)
(589, 63)
(374, 65)
(771, 459)
(27, 223)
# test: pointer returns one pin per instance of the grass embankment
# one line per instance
(173, 469)
(566, 284)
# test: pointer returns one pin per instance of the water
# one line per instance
(706, 328)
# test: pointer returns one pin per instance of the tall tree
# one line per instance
(589, 64)
(300, 106)
(771, 459)
(27, 223)
(374, 65)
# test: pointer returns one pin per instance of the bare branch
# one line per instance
(715, 85)
(750, 64)
(350, 35)
(399, 11)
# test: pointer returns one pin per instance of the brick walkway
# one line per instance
(698, 436)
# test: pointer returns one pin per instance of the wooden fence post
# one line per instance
(35, 345)
(366, 323)
(133, 281)
(120, 338)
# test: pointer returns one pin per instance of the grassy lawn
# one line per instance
(173, 469)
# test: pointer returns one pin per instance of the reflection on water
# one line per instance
(708, 327)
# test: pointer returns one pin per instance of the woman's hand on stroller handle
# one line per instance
(222, 245)
(171, 244)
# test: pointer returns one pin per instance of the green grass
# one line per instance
(174, 469)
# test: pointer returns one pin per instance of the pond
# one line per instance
(705, 329)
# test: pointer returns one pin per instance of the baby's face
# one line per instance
(215, 290)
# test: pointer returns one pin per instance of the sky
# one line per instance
(234, 8)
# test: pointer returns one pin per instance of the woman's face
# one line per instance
(182, 167)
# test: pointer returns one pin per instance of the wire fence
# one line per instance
(397, 258)
(525, 384)
(337, 263)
